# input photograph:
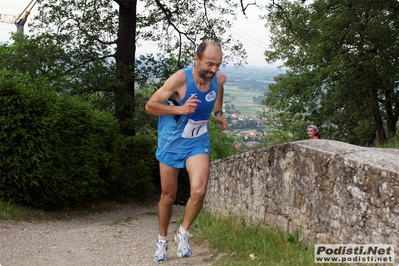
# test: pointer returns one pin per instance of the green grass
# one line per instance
(392, 143)
(124, 221)
(250, 245)
(151, 213)
(11, 211)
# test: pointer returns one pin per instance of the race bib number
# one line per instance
(195, 129)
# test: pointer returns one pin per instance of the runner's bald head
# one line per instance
(202, 47)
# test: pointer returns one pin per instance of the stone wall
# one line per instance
(332, 192)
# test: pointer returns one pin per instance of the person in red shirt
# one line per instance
(313, 132)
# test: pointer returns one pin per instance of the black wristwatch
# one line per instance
(218, 112)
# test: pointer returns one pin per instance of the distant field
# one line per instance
(242, 99)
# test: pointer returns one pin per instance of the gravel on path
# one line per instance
(124, 236)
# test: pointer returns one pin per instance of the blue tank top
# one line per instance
(179, 133)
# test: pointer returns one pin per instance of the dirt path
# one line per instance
(126, 236)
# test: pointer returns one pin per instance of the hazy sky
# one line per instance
(249, 30)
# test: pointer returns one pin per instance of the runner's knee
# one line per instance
(168, 198)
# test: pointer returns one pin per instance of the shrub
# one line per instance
(135, 177)
(56, 150)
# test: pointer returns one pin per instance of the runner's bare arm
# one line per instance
(219, 100)
(174, 85)
(223, 125)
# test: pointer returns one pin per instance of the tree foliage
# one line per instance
(99, 40)
(222, 145)
(343, 67)
(88, 48)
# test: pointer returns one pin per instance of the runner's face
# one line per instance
(208, 70)
(210, 62)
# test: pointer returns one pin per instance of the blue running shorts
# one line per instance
(178, 160)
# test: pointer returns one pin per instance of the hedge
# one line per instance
(55, 150)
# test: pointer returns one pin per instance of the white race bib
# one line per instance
(195, 129)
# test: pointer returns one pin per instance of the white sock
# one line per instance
(182, 230)
(163, 238)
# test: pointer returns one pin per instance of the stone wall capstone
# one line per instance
(332, 192)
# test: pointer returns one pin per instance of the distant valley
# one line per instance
(246, 87)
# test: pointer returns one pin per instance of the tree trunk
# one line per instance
(391, 106)
(125, 60)
(377, 116)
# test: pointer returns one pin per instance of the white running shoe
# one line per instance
(160, 250)
(183, 247)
